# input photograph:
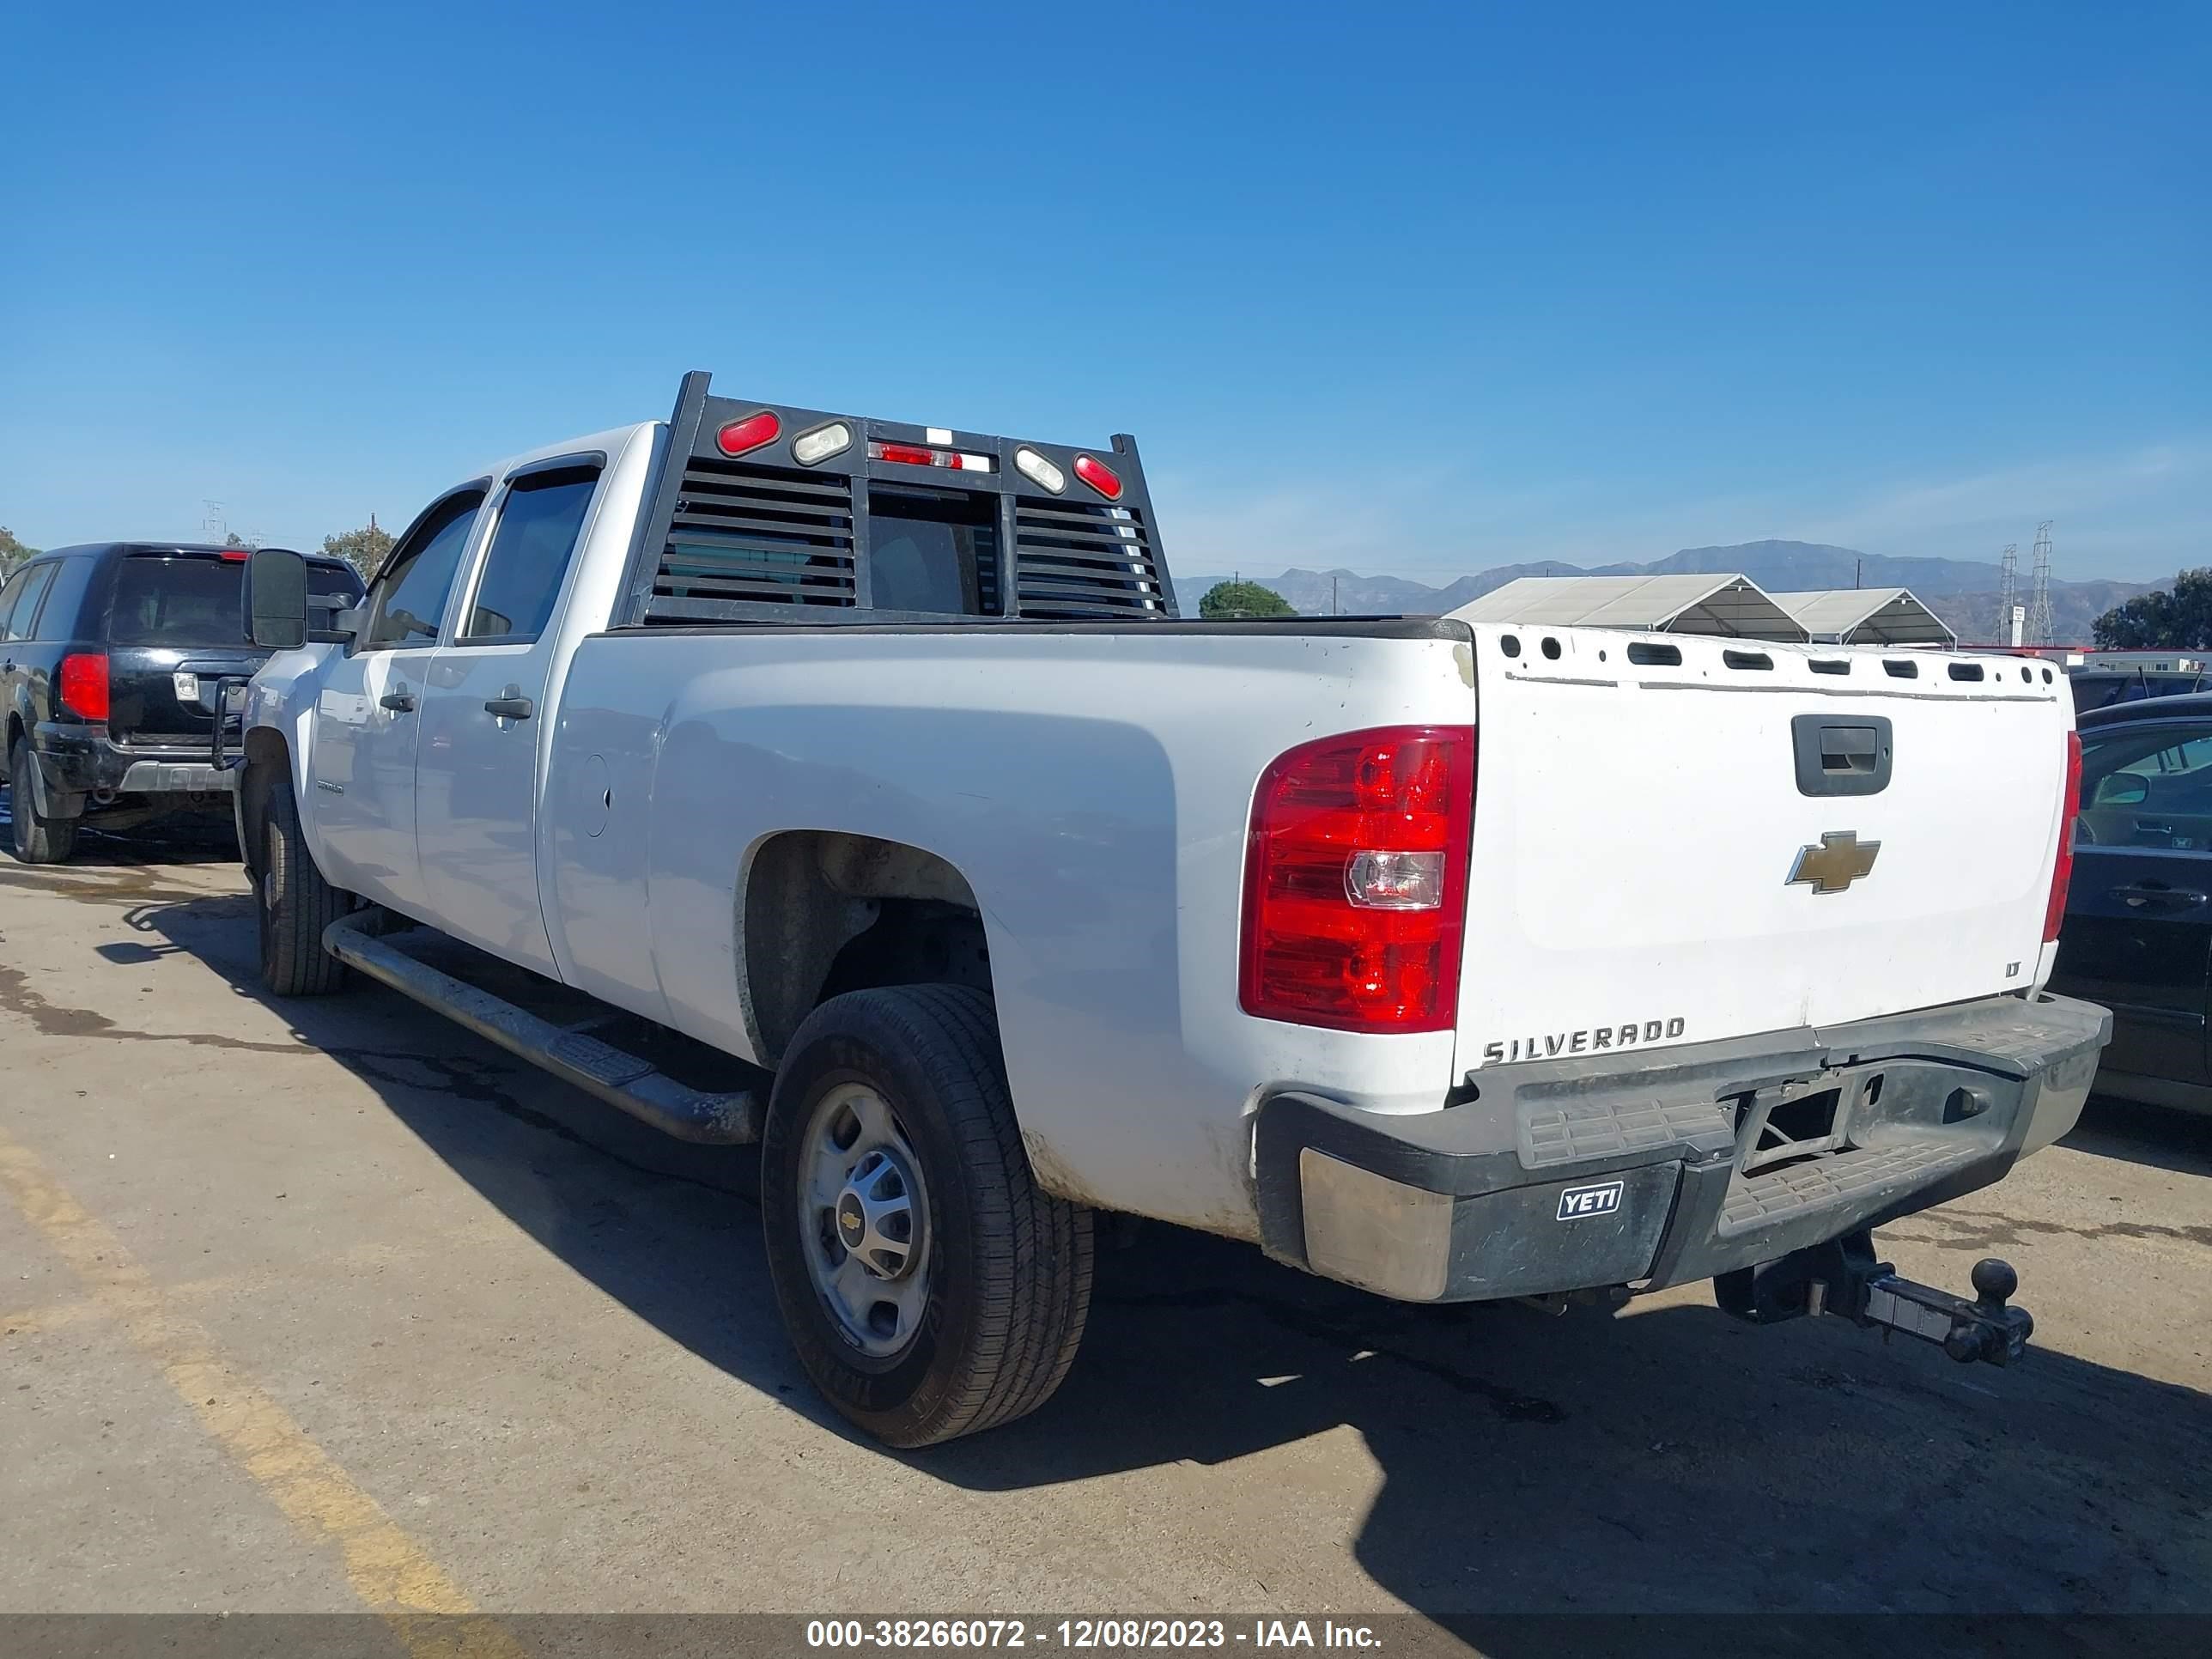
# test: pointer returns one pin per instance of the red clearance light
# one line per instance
(1099, 477)
(1356, 872)
(750, 434)
(2062, 868)
(237, 555)
(83, 678)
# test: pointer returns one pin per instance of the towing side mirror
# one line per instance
(276, 599)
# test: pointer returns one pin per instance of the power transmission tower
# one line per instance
(2039, 603)
(212, 525)
(2008, 591)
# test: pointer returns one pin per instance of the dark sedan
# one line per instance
(2138, 931)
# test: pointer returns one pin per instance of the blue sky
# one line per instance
(1409, 290)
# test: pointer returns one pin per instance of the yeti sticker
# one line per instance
(1576, 1202)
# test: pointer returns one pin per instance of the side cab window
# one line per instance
(2148, 786)
(541, 519)
(11, 595)
(60, 618)
(22, 599)
(408, 601)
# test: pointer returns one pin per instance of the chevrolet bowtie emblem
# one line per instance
(1840, 859)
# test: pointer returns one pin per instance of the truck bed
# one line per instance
(1091, 782)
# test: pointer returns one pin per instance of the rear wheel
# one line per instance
(294, 902)
(931, 1289)
(39, 839)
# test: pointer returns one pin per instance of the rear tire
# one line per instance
(993, 1328)
(39, 839)
(294, 902)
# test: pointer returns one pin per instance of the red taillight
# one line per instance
(2062, 869)
(237, 555)
(1100, 476)
(1356, 880)
(750, 434)
(84, 684)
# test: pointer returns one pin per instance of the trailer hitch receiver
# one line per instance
(1843, 1277)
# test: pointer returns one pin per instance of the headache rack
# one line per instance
(770, 512)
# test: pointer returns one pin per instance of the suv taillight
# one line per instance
(1356, 880)
(2062, 869)
(83, 679)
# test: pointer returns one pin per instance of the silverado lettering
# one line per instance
(1626, 1034)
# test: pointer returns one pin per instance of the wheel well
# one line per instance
(265, 752)
(822, 913)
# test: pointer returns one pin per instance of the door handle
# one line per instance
(510, 707)
(399, 702)
(2143, 894)
(1840, 756)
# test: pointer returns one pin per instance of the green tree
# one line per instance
(364, 549)
(1236, 601)
(234, 539)
(12, 552)
(2180, 619)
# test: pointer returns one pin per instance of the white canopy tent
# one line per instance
(1867, 615)
(1731, 607)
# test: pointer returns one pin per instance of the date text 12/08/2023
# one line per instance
(1086, 1634)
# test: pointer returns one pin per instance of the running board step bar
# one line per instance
(619, 1078)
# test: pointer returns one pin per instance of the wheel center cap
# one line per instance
(851, 1219)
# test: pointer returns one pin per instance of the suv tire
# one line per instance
(39, 839)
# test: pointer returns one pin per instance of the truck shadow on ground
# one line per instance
(2154, 1135)
(1482, 1462)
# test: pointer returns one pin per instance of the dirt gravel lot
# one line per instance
(324, 1305)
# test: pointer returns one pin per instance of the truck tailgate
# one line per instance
(1638, 821)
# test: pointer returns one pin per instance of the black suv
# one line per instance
(110, 654)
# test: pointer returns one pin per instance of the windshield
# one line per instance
(178, 601)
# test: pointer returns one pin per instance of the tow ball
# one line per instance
(1841, 1278)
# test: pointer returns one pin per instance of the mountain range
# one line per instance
(1963, 591)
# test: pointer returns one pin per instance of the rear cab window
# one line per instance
(934, 551)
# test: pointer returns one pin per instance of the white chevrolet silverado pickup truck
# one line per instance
(1455, 961)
